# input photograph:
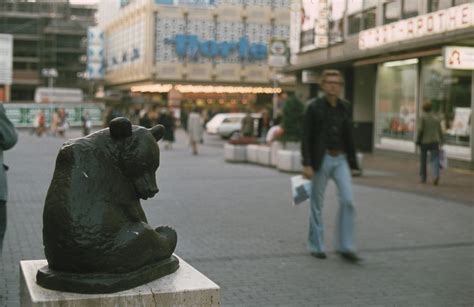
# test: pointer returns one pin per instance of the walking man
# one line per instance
(328, 153)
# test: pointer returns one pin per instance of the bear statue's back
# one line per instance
(92, 218)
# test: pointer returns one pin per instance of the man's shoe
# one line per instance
(436, 181)
(350, 256)
(319, 255)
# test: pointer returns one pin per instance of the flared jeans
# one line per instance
(337, 169)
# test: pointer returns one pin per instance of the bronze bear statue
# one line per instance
(94, 227)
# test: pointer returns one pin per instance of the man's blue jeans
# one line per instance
(337, 169)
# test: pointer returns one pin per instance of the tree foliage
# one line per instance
(293, 113)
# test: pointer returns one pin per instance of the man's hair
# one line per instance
(427, 106)
(330, 73)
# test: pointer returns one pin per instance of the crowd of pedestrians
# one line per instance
(58, 124)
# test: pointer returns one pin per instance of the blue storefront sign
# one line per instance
(188, 45)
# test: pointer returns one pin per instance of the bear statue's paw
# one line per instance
(168, 238)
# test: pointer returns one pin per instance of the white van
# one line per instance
(228, 125)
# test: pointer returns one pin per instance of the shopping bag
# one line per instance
(443, 159)
(300, 189)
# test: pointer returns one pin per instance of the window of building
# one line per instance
(355, 23)
(336, 20)
(307, 38)
(449, 91)
(410, 8)
(396, 104)
(436, 5)
(391, 12)
(369, 19)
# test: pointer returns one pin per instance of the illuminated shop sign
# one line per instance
(441, 21)
(191, 47)
(125, 57)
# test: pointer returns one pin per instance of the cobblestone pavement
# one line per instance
(235, 224)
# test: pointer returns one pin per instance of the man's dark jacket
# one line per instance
(315, 125)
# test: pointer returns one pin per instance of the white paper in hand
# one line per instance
(300, 189)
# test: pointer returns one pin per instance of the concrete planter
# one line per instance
(289, 161)
(275, 147)
(264, 155)
(235, 153)
(252, 155)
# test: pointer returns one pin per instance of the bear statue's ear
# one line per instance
(158, 131)
(120, 128)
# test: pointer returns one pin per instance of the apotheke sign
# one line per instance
(458, 17)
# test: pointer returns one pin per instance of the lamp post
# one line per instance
(50, 73)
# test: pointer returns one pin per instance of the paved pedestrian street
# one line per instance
(236, 225)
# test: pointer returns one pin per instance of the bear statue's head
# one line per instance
(139, 154)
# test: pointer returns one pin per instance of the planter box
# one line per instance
(235, 153)
(264, 155)
(276, 146)
(252, 155)
(289, 161)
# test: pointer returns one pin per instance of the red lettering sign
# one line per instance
(465, 15)
(429, 23)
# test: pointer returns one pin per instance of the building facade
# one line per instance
(192, 47)
(46, 34)
(395, 55)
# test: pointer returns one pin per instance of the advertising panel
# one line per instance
(456, 57)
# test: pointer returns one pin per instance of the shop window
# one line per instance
(410, 8)
(391, 12)
(369, 19)
(355, 22)
(396, 104)
(449, 91)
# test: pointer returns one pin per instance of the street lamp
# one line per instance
(50, 73)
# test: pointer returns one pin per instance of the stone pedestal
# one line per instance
(185, 287)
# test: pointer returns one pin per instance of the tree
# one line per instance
(293, 113)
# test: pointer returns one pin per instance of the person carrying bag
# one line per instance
(429, 138)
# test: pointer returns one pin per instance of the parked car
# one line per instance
(227, 125)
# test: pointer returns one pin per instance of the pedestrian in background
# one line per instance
(195, 129)
(167, 119)
(40, 123)
(86, 123)
(328, 151)
(247, 125)
(8, 139)
(429, 138)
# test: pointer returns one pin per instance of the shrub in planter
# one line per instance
(293, 113)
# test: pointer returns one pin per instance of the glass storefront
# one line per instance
(449, 91)
(398, 105)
